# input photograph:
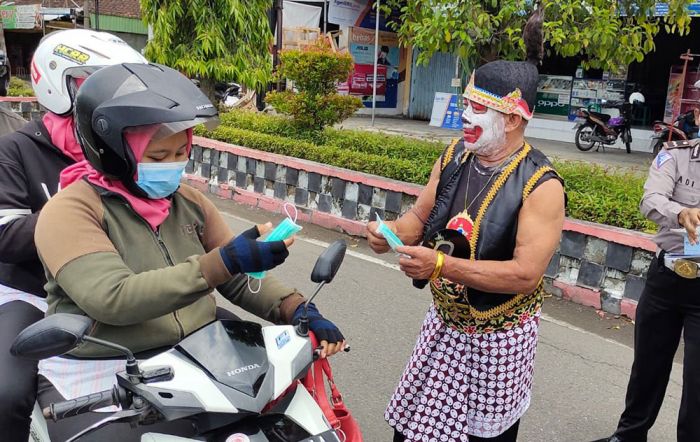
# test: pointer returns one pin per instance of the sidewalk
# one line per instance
(636, 161)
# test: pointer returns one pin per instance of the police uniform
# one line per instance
(670, 303)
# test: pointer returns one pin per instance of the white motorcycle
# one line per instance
(221, 378)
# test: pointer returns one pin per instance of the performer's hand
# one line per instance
(690, 219)
(376, 241)
(421, 263)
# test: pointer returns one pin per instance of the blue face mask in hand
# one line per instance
(160, 180)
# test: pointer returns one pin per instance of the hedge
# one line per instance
(395, 168)
(357, 140)
(597, 194)
(604, 195)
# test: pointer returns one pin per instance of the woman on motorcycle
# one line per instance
(31, 160)
(125, 244)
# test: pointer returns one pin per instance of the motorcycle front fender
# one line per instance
(304, 410)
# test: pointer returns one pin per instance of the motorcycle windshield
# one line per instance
(232, 352)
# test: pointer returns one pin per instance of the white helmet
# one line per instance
(63, 57)
(636, 97)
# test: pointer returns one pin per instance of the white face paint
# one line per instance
(484, 133)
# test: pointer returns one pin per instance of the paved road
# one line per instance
(582, 360)
(638, 161)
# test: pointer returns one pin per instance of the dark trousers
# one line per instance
(668, 306)
(17, 376)
(510, 435)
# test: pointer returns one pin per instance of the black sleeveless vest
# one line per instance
(495, 225)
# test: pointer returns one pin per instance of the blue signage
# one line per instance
(453, 116)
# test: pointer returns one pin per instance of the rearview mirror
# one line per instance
(52, 336)
(329, 262)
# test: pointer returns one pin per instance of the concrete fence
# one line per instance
(595, 265)
(26, 107)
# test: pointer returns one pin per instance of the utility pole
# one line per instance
(97, 15)
(86, 14)
(278, 43)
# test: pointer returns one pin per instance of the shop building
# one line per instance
(25, 22)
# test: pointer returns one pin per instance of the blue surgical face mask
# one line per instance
(160, 180)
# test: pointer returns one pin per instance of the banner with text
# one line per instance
(362, 50)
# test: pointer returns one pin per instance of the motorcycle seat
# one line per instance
(602, 117)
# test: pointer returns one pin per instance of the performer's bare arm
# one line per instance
(539, 229)
(409, 227)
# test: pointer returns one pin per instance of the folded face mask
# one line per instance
(160, 180)
(286, 229)
(388, 234)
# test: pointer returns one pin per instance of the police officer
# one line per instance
(670, 302)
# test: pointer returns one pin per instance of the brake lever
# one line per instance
(119, 416)
(317, 352)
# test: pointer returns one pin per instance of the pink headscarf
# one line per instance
(154, 211)
(62, 133)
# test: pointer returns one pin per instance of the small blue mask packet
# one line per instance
(388, 234)
(688, 248)
(284, 230)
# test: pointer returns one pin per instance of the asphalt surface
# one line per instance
(583, 359)
(610, 157)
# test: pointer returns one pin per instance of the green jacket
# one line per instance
(144, 289)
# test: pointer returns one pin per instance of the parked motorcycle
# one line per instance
(233, 380)
(604, 130)
(228, 94)
(675, 131)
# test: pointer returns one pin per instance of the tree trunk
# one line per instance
(208, 88)
(2, 40)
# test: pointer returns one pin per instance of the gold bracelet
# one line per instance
(438, 265)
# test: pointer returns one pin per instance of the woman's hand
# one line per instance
(266, 228)
(328, 334)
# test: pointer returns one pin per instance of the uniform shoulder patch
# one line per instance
(661, 158)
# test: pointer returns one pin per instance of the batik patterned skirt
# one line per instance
(456, 384)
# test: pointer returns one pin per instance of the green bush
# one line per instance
(395, 168)
(19, 88)
(604, 195)
(362, 141)
(315, 71)
(597, 194)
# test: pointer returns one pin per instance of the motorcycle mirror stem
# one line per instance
(302, 328)
(132, 365)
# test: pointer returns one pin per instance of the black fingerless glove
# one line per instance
(244, 254)
(324, 329)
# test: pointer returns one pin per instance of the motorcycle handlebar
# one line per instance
(82, 404)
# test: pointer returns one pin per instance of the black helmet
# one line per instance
(130, 95)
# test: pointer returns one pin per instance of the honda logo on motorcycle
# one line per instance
(243, 369)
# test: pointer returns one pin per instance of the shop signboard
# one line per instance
(362, 51)
(661, 9)
(553, 95)
(362, 81)
(359, 13)
(21, 16)
(447, 113)
(346, 12)
(673, 96)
